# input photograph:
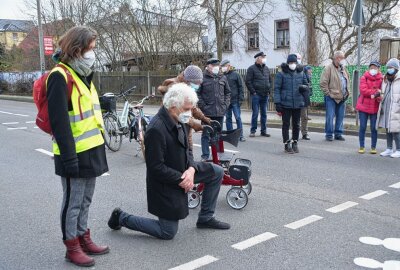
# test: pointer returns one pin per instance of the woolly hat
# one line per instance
(394, 63)
(193, 74)
(224, 62)
(375, 63)
(306, 68)
(292, 58)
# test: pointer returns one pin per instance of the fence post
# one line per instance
(148, 83)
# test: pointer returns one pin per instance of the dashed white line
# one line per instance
(45, 152)
(196, 263)
(397, 185)
(226, 150)
(254, 241)
(17, 128)
(30, 122)
(24, 115)
(105, 174)
(341, 207)
(373, 195)
(5, 112)
(303, 222)
(10, 123)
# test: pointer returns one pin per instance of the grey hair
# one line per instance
(338, 54)
(178, 94)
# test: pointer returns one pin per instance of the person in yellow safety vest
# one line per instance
(78, 144)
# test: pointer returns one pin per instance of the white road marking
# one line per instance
(10, 123)
(45, 152)
(341, 207)
(226, 150)
(6, 112)
(30, 122)
(17, 128)
(105, 174)
(35, 127)
(373, 195)
(397, 185)
(303, 222)
(196, 263)
(254, 240)
(14, 114)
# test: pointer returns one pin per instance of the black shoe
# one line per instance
(263, 134)
(113, 222)
(288, 148)
(330, 139)
(242, 139)
(295, 147)
(213, 224)
(306, 137)
(339, 138)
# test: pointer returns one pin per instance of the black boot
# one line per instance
(288, 148)
(295, 148)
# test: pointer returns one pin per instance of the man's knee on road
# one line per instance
(168, 233)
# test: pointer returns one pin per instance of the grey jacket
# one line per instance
(214, 95)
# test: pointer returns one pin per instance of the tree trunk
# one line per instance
(312, 48)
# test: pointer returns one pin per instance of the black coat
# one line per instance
(288, 84)
(236, 86)
(214, 95)
(259, 80)
(167, 157)
(92, 162)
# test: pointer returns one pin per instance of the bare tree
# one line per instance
(332, 19)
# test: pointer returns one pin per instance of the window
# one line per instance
(282, 34)
(252, 36)
(227, 39)
(15, 37)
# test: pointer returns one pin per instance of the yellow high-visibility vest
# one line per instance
(85, 117)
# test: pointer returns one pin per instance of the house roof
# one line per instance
(15, 25)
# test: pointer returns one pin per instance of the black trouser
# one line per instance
(294, 115)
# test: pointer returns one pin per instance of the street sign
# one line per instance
(355, 15)
(48, 45)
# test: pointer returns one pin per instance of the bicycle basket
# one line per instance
(108, 103)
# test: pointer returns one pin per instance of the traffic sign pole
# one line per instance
(40, 32)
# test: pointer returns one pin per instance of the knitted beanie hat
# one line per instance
(394, 63)
(193, 74)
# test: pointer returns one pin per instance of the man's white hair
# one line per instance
(338, 54)
(178, 94)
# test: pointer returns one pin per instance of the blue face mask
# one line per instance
(195, 86)
(391, 71)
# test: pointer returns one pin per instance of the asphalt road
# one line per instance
(284, 226)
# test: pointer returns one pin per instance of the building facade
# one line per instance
(13, 32)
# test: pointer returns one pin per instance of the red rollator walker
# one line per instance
(236, 174)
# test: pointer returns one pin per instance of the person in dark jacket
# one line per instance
(307, 93)
(79, 152)
(237, 96)
(214, 98)
(290, 83)
(258, 82)
(172, 172)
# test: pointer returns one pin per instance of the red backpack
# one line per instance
(40, 99)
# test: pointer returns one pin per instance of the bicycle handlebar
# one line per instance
(123, 94)
(143, 100)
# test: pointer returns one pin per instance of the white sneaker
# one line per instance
(387, 153)
(395, 154)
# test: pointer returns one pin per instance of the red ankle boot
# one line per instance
(91, 248)
(75, 253)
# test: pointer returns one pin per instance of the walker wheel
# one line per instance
(237, 198)
(193, 199)
(248, 188)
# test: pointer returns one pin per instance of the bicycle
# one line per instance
(129, 122)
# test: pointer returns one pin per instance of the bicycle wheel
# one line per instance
(142, 131)
(112, 136)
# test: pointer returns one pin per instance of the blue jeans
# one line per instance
(334, 110)
(205, 140)
(167, 229)
(389, 140)
(259, 103)
(363, 127)
(235, 108)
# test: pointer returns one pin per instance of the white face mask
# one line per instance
(184, 117)
(292, 66)
(299, 61)
(215, 70)
(224, 69)
(342, 62)
(88, 58)
(264, 61)
(373, 72)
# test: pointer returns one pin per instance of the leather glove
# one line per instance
(278, 107)
(303, 88)
(71, 168)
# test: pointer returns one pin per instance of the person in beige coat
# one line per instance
(335, 83)
(389, 108)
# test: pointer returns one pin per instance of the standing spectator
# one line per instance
(258, 82)
(290, 84)
(335, 84)
(368, 104)
(237, 96)
(172, 172)
(78, 145)
(389, 109)
(304, 111)
(214, 98)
